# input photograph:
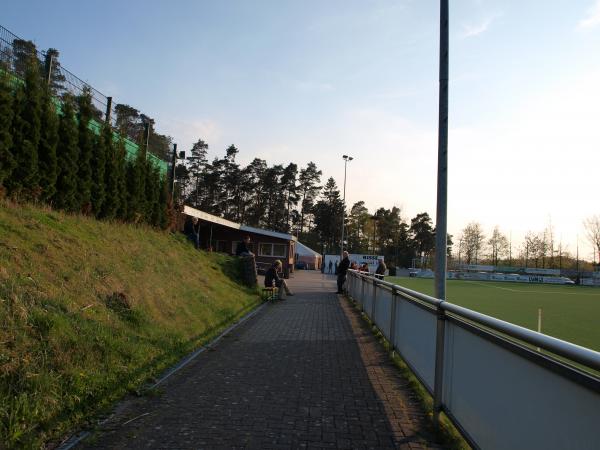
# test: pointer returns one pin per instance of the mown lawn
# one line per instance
(90, 310)
(571, 313)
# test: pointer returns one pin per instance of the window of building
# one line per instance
(221, 246)
(275, 250)
(265, 249)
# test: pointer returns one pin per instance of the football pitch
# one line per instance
(571, 313)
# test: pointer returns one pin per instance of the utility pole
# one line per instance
(441, 225)
(441, 217)
(346, 159)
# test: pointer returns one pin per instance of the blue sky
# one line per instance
(312, 80)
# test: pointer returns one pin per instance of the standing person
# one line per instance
(335, 268)
(243, 248)
(330, 265)
(272, 276)
(342, 270)
(380, 271)
(191, 228)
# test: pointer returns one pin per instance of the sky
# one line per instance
(300, 81)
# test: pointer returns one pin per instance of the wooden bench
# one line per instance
(270, 293)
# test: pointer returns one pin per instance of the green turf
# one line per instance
(571, 313)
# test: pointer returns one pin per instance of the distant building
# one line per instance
(307, 257)
(222, 235)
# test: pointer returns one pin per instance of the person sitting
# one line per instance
(272, 276)
(243, 249)
(380, 271)
(364, 268)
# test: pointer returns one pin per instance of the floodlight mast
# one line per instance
(441, 218)
(346, 159)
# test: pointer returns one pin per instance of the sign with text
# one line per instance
(371, 260)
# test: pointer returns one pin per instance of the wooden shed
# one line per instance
(222, 235)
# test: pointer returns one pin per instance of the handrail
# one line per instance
(576, 353)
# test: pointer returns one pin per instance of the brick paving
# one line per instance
(302, 373)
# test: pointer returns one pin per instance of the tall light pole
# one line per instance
(441, 216)
(346, 159)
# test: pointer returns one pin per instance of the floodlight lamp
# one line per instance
(345, 156)
(350, 158)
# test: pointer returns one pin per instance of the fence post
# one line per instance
(362, 294)
(146, 139)
(48, 64)
(373, 301)
(108, 110)
(174, 162)
(393, 320)
(438, 384)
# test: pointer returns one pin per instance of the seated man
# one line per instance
(273, 276)
(242, 248)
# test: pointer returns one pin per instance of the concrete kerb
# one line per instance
(76, 439)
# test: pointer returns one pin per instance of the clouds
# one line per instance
(188, 131)
(472, 30)
(592, 18)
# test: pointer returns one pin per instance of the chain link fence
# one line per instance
(14, 54)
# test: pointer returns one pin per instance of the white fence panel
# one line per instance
(505, 400)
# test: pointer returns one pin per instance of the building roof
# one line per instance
(303, 250)
(237, 226)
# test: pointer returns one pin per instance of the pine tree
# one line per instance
(26, 133)
(136, 188)
(111, 203)
(121, 167)
(67, 155)
(7, 160)
(101, 142)
(151, 194)
(48, 162)
(85, 142)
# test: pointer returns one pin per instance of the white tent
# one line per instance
(308, 256)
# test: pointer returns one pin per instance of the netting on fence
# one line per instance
(15, 53)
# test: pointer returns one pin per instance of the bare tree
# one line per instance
(534, 247)
(498, 245)
(472, 241)
(592, 232)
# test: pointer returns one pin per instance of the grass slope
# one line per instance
(90, 310)
(570, 313)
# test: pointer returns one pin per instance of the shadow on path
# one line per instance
(303, 373)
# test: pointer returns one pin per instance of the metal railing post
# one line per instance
(373, 301)
(393, 320)
(362, 294)
(438, 383)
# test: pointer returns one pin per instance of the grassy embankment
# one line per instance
(92, 310)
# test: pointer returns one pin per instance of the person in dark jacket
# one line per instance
(191, 229)
(380, 271)
(342, 270)
(272, 276)
(243, 248)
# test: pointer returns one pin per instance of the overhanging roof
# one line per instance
(303, 250)
(237, 226)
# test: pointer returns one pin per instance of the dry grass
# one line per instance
(90, 310)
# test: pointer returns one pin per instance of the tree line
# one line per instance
(293, 199)
(538, 249)
(51, 153)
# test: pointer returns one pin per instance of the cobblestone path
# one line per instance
(302, 373)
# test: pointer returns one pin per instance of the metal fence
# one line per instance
(486, 374)
(65, 82)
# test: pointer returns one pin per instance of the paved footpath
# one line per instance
(302, 373)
